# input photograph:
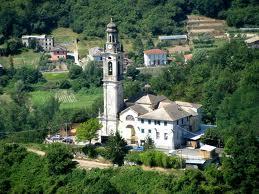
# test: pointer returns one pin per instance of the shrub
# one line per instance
(101, 151)
(159, 156)
(155, 158)
(64, 84)
(134, 157)
(90, 151)
(148, 158)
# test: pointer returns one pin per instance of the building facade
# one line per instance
(154, 57)
(165, 121)
(112, 81)
(44, 41)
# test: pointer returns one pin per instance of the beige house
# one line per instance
(44, 41)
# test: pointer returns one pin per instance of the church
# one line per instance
(165, 121)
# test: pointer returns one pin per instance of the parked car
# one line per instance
(68, 140)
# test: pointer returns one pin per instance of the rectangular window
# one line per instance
(182, 121)
(165, 136)
(165, 123)
(142, 130)
(157, 135)
(149, 121)
(142, 120)
(158, 122)
(149, 131)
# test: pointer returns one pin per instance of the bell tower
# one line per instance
(112, 80)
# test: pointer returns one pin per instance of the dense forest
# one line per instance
(134, 17)
(24, 172)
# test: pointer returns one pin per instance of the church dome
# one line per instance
(111, 27)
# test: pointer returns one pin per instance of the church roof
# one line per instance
(140, 110)
(188, 104)
(150, 99)
(170, 112)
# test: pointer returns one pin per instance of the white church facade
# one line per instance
(165, 121)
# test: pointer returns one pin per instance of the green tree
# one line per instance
(149, 143)
(88, 130)
(212, 137)
(132, 72)
(116, 149)
(75, 71)
(59, 159)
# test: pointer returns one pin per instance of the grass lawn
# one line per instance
(49, 76)
(26, 58)
(68, 99)
(154, 71)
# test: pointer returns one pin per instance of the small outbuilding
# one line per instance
(175, 39)
(208, 151)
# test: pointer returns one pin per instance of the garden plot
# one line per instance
(65, 96)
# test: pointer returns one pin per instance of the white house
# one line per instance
(165, 121)
(154, 57)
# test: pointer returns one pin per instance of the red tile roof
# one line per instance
(154, 51)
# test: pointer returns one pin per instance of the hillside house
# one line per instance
(95, 54)
(155, 57)
(58, 52)
(44, 41)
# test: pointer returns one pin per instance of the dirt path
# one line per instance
(41, 153)
(86, 164)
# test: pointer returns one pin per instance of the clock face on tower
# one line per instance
(109, 46)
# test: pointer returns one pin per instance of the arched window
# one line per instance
(110, 38)
(130, 118)
(109, 68)
(113, 40)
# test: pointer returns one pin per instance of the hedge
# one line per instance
(155, 158)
